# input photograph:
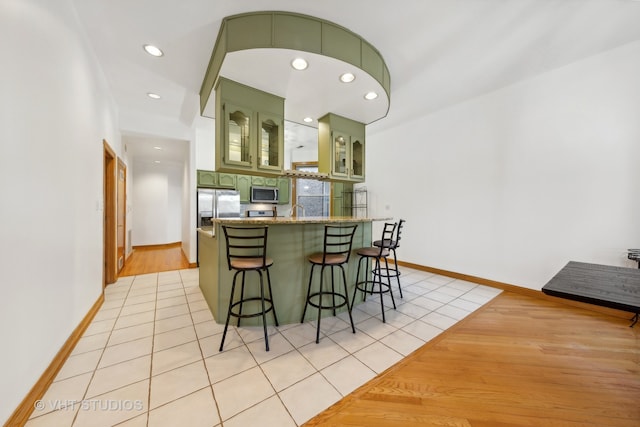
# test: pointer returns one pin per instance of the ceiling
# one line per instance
(439, 52)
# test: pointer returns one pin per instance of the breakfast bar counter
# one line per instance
(290, 241)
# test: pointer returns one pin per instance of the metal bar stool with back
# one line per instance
(392, 244)
(375, 254)
(338, 241)
(247, 251)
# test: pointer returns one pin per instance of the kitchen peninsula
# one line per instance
(290, 242)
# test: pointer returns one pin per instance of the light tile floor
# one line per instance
(150, 356)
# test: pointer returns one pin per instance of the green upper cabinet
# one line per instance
(249, 130)
(211, 179)
(237, 136)
(207, 179)
(264, 181)
(270, 136)
(226, 180)
(243, 185)
(341, 148)
(284, 190)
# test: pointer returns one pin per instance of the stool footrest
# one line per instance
(390, 272)
(256, 314)
(384, 287)
(345, 300)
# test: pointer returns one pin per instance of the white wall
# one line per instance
(512, 185)
(55, 112)
(157, 203)
(205, 143)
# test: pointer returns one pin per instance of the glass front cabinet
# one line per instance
(341, 149)
(250, 136)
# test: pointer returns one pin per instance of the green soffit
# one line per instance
(287, 30)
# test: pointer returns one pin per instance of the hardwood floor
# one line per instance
(153, 259)
(519, 361)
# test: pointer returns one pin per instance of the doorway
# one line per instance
(109, 274)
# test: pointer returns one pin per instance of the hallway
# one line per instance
(154, 259)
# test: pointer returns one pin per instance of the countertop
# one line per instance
(296, 220)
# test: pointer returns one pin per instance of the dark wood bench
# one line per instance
(604, 285)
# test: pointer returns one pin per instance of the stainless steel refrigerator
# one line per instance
(217, 204)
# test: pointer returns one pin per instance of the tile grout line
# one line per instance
(193, 325)
(153, 342)
(75, 417)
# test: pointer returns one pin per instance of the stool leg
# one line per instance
(308, 293)
(368, 268)
(346, 295)
(226, 324)
(320, 298)
(264, 315)
(389, 283)
(356, 287)
(377, 268)
(333, 292)
(273, 307)
(241, 298)
(395, 260)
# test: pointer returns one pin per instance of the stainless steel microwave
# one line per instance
(264, 195)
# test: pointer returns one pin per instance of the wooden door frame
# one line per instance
(121, 212)
(109, 274)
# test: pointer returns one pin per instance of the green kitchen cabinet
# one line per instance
(249, 130)
(264, 181)
(211, 179)
(341, 148)
(226, 180)
(270, 181)
(207, 179)
(284, 190)
(243, 186)
(257, 181)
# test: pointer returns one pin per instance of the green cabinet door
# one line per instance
(238, 141)
(226, 180)
(284, 190)
(243, 185)
(207, 179)
(257, 181)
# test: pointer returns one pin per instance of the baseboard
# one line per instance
(22, 413)
(517, 289)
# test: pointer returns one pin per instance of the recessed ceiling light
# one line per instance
(347, 78)
(370, 95)
(153, 50)
(307, 119)
(156, 161)
(153, 95)
(299, 64)
(157, 148)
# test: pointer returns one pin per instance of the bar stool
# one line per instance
(337, 250)
(247, 251)
(392, 245)
(375, 253)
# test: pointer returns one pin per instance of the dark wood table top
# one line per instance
(604, 285)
